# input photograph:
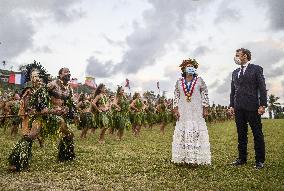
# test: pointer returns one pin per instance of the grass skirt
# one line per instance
(163, 117)
(103, 119)
(50, 125)
(121, 121)
(21, 154)
(16, 120)
(66, 149)
(86, 120)
(151, 118)
(137, 118)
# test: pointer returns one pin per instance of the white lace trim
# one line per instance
(191, 143)
(176, 94)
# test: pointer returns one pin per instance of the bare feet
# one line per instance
(102, 142)
(40, 141)
(12, 168)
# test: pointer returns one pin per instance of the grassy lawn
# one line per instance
(144, 163)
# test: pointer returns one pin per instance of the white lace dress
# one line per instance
(191, 140)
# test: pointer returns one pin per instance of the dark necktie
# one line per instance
(242, 72)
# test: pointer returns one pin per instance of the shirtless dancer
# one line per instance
(63, 107)
(33, 110)
(12, 107)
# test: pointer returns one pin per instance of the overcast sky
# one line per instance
(145, 40)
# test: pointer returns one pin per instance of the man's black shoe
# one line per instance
(259, 165)
(239, 162)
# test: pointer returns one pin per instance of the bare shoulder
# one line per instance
(98, 96)
(52, 84)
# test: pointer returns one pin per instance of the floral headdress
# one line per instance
(187, 62)
(36, 66)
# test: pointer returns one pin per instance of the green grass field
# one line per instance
(144, 163)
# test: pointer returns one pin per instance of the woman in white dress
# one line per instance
(191, 140)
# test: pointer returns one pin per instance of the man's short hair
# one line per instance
(246, 52)
(61, 70)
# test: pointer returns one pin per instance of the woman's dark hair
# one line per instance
(118, 90)
(99, 90)
(60, 71)
(111, 95)
(246, 52)
(135, 95)
(161, 100)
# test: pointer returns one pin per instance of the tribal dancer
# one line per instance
(2, 113)
(86, 116)
(151, 114)
(114, 109)
(4, 122)
(12, 107)
(138, 107)
(33, 107)
(144, 116)
(122, 118)
(64, 112)
(102, 105)
(163, 114)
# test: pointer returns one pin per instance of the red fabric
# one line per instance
(127, 83)
(12, 78)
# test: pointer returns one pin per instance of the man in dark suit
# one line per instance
(248, 100)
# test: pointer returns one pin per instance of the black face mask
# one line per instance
(66, 78)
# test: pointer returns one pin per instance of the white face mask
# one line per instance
(237, 61)
(190, 70)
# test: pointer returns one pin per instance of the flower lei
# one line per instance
(71, 106)
(39, 98)
(123, 103)
(104, 99)
(188, 89)
(138, 104)
(65, 87)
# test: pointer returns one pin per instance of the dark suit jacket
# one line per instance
(249, 92)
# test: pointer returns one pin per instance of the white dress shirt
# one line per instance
(244, 70)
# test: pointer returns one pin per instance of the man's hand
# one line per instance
(261, 110)
(32, 112)
(232, 111)
(45, 111)
(77, 119)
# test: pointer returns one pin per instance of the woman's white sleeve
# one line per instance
(176, 94)
(204, 93)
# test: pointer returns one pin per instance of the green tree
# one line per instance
(273, 105)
